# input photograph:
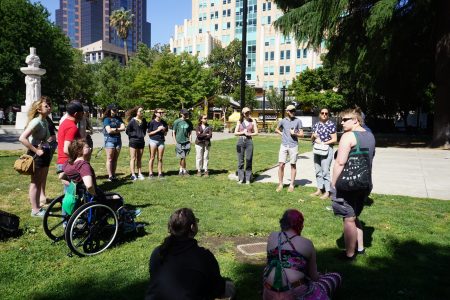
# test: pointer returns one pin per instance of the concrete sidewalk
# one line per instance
(396, 171)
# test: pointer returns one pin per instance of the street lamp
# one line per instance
(283, 105)
(264, 109)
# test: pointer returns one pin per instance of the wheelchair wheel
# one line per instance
(54, 221)
(91, 229)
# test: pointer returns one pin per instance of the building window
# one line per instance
(216, 27)
(305, 53)
(272, 55)
(288, 54)
(269, 20)
(299, 53)
(228, 12)
(281, 70)
(269, 5)
(297, 69)
(288, 70)
(264, 6)
(266, 56)
(224, 13)
(200, 30)
(282, 54)
(271, 70)
(228, 25)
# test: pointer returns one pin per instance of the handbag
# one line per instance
(9, 224)
(25, 164)
(357, 172)
(321, 149)
(70, 199)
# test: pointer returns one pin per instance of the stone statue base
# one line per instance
(22, 117)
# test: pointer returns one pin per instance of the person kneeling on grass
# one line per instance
(291, 271)
(180, 269)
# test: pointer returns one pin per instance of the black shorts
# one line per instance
(137, 145)
(43, 160)
(348, 204)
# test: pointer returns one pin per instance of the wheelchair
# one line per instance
(93, 226)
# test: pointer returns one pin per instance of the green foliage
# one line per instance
(275, 98)
(216, 124)
(250, 96)
(80, 84)
(25, 25)
(107, 82)
(122, 20)
(225, 64)
(314, 89)
(174, 81)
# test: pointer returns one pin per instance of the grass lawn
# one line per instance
(407, 239)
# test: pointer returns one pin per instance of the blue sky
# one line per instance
(163, 14)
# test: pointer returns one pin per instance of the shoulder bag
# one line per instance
(70, 198)
(321, 149)
(25, 164)
(357, 173)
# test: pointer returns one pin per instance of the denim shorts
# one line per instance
(112, 144)
(157, 144)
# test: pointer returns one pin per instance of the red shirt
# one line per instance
(67, 131)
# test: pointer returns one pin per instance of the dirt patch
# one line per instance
(223, 244)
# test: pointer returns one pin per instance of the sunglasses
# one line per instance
(324, 113)
(159, 112)
(292, 110)
(346, 119)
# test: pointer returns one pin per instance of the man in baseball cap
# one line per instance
(290, 129)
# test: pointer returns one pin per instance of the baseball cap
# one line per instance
(184, 111)
(290, 107)
(245, 109)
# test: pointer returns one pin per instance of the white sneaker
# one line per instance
(141, 177)
(39, 214)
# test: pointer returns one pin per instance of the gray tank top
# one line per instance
(367, 140)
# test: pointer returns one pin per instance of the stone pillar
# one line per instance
(33, 86)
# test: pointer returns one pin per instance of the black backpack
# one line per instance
(9, 224)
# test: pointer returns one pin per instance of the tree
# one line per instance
(107, 76)
(122, 20)
(386, 54)
(275, 99)
(81, 84)
(223, 102)
(250, 96)
(225, 64)
(25, 25)
(175, 81)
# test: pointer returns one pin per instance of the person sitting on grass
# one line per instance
(180, 269)
(291, 271)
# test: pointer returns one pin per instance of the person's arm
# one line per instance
(312, 264)
(64, 179)
(255, 129)
(345, 145)
(279, 128)
(217, 282)
(24, 140)
(333, 139)
(89, 184)
(174, 131)
(121, 127)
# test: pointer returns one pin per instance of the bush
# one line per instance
(216, 124)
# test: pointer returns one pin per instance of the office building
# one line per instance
(271, 57)
(86, 22)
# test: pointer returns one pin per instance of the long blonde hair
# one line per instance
(34, 109)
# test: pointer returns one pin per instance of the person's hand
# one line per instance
(160, 127)
(40, 152)
(318, 140)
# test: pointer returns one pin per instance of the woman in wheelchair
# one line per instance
(78, 170)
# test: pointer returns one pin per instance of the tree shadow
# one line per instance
(368, 236)
(111, 185)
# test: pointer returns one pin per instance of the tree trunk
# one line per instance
(126, 51)
(441, 126)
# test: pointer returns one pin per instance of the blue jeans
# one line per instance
(322, 165)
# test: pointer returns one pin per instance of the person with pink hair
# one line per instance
(291, 271)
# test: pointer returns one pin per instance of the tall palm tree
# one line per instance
(122, 20)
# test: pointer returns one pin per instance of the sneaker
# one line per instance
(180, 173)
(150, 177)
(141, 177)
(361, 252)
(343, 256)
(206, 174)
(133, 177)
(136, 212)
(247, 182)
(161, 176)
(199, 173)
(186, 173)
(39, 214)
(111, 179)
(240, 182)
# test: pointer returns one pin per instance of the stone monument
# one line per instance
(33, 86)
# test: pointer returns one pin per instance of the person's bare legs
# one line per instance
(43, 197)
(360, 235)
(293, 174)
(350, 235)
(139, 153)
(280, 176)
(35, 188)
(133, 155)
(109, 161)
(116, 158)
(152, 159)
(160, 160)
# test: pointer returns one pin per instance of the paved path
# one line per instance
(396, 171)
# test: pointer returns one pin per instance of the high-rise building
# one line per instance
(272, 59)
(86, 22)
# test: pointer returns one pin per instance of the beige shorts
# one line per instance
(288, 152)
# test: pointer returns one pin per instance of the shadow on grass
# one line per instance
(410, 270)
(368, 233)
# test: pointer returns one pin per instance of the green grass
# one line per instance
(407, 239)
